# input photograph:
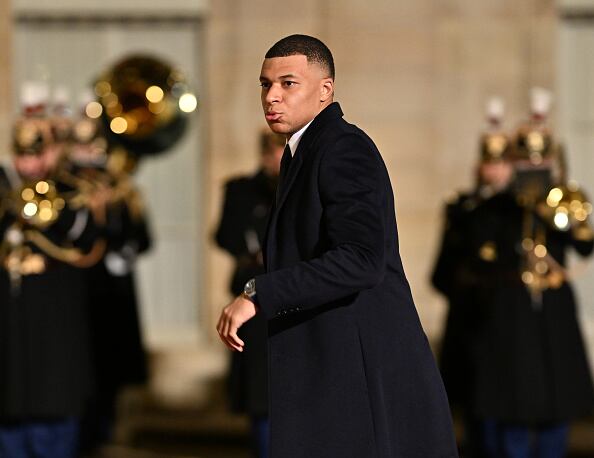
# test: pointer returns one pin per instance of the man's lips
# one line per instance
(273, 116)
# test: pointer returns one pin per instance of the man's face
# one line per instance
(31, 166)
(293, 92)
(496, 174)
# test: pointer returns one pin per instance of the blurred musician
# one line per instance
(45, 369)
(531, 375)
(454, 279)
(240, 233)
(118, 352)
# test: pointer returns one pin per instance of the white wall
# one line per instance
(575, 5)
(576, 127)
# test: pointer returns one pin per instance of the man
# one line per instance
(351, 372)
(45, 370)
(241, 233)
(531, 373)
(118, 353)
(453, 275)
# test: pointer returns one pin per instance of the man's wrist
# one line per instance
(249, 291)
(250, 298)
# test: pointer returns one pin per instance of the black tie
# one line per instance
(284, 169)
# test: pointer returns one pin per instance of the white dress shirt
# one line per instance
(296, 138)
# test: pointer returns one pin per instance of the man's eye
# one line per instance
(265, 85)
(289, 83)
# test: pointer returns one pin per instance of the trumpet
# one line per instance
(567, 208)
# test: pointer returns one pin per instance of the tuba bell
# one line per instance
(143, 103)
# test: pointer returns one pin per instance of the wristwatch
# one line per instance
(249, 290)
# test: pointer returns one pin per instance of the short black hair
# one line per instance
(310, 47)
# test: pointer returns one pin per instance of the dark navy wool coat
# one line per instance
(351, 372)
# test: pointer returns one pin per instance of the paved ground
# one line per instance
(155, 445)
(150, 430)
(197, 451)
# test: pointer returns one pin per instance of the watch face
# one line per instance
(250, 287)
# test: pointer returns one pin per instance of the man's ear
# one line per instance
(326, 89)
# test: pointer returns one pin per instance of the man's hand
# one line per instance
(232, 318)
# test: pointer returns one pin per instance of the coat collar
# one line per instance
(331, 112)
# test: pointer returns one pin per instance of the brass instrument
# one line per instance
(540, 270)
(113, 191)
(38, 204)
(143, 103)
(98, 174)
(565, 208)
(539, 166)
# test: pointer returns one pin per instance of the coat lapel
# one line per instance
(294, 168)
(331, 112)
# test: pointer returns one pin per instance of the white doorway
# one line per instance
(72, 51)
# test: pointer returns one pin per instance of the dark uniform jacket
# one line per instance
(351, 371)
(531, 366)
(118, 351)
(45, 368)
(241, 233)
(452, 277)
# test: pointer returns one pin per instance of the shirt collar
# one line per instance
(296, 138)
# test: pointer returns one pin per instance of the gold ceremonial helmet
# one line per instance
(494, 146)
(31, 136)
(533, 143)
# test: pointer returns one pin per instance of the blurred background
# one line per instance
(415, 75)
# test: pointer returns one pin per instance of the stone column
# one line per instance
(5, 74)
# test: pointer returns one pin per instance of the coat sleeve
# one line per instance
(451, 275)
(229, 232)
(353, 192)
(443, 271)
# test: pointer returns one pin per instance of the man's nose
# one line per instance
(273, 94)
